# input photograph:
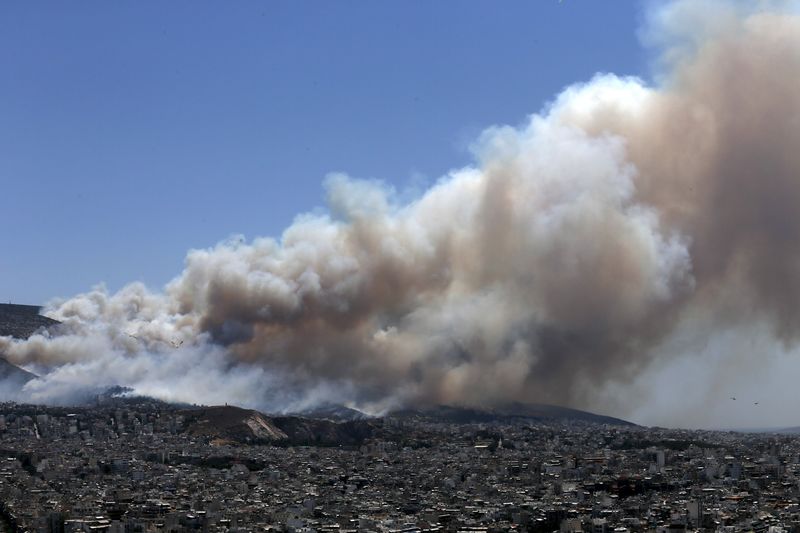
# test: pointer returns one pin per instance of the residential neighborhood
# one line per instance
(142, 468)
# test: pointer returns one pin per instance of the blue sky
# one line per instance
(133, 131)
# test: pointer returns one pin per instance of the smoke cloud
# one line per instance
(563, 266)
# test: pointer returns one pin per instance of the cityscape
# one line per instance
(446, 266)
(140, 466)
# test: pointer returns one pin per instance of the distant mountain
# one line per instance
(14, 375)
(314, 432)
(333, 412)
(229, 424)
(22, 321)
(19, 321)
(556, 412)
(794, 430)
(507, 413)
(790, 431)
(118, 396)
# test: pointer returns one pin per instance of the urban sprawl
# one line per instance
(140, 468)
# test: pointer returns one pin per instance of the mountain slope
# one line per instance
(229, 424)
(22, 321)
(320, 432)
(12, 374)
(333, 412)
(507, 413)
(19, 321)
(232, 424)
(546, 411)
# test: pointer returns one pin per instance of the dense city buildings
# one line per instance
(146, 466)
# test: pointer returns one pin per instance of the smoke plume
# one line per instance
(565, 263)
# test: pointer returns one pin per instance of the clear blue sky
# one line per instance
(133, 131)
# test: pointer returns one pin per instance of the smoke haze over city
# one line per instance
(631, 249)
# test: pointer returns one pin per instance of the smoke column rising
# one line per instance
(564, 264)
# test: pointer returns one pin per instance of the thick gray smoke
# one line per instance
(569, 260)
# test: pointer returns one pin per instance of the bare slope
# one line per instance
(507, 413)
(229, 424)
(19, 321)
(22, 321)
(232, 424)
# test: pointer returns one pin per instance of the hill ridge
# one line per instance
(508, 412)
(22, 321)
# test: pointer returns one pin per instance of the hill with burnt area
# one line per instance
(230, 424)
(509, 413)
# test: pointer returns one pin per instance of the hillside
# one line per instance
(22, 321)
(332, 412)
(229, 424)
(320, 432)
(12, 374)
(232, 424)
(507, 413)
(545, 411)
(19, 321)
